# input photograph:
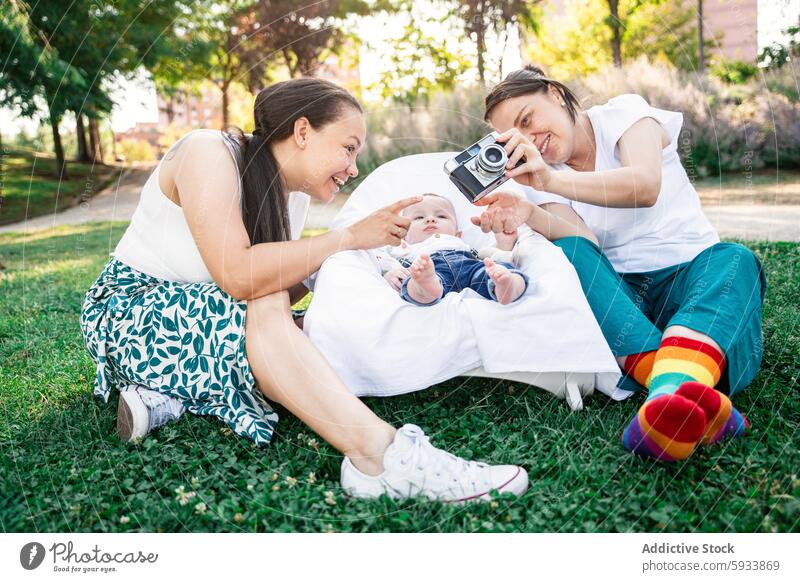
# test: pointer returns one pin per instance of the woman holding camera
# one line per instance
(193, 309)
(679, 309)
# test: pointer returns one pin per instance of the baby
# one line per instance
(440, 262)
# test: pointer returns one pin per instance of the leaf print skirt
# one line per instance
(185, 340)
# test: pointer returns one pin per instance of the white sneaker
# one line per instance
(414, 467)
(141, 410)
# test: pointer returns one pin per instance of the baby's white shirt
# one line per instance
(388, 257)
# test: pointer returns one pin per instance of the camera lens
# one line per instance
(492, 159)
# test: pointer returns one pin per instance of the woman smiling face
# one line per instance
(543, 118)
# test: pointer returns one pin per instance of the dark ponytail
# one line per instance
(530, 79)
(264, 208)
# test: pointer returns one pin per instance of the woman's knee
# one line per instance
(579, 249)
(740, 261)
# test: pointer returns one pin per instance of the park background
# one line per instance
(93, 92)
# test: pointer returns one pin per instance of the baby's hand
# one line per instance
(395, 277)
(506, 241)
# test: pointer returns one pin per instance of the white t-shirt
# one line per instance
(638, 240)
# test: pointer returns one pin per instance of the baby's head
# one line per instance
(433, 215)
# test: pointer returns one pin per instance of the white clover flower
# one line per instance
(124, 519)
(312, 478)
(201, 508)
(330, 499)
(291, 481)
(183, 497)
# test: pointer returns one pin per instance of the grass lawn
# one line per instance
(62, 468)
(29, 188)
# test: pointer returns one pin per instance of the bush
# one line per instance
(725, 128)
(451, 121)
(734, 72)
(136, 150)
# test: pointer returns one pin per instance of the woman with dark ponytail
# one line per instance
(193, 309)
(680, 309)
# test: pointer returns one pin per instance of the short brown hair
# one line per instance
(530, 79)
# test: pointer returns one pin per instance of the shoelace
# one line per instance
(161, 408)
(422, 452)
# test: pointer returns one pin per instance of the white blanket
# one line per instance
(380, 345)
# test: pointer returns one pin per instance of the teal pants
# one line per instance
(719, 293)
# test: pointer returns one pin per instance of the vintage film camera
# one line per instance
(480, 168)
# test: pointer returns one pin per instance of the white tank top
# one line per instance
(158, 241)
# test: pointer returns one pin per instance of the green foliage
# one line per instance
(575, 42)
(776, 55)
(62, 468)
(420, 66)
(726, 128)
(136, 150)
(734, 72)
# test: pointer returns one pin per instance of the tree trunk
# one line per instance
(80, 128)
(224, 89)
(616, 32)
(61, 164)
(481, 65)
(171, 109)
(95, 145)
(701, 63)
(288, 58)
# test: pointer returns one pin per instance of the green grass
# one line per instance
(62, 468)
(29, 188)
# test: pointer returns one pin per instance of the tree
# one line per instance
(103, 41)
(419, 66)
(481, 16)
(34, 69)
(615, 24)
(212, 45)
(577, 42)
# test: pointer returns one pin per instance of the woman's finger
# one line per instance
(526, 168)
(396, 207)
(507, 134)
(487, 200)
(519, 153)
(512, 143)
(486, 221)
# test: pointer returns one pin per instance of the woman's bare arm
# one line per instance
(207, 182)
(559, 221)
(636, 184)
(506, 211)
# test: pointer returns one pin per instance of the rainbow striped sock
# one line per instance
(682, 408)
(639, 366)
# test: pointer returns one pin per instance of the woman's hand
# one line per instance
(383, 227)
(395, 277)
(506, 212)
(534, 172)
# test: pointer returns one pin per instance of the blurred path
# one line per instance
(116, 202)
(771, 222)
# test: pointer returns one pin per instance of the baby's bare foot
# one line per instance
(508, 286)
(424, 286)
